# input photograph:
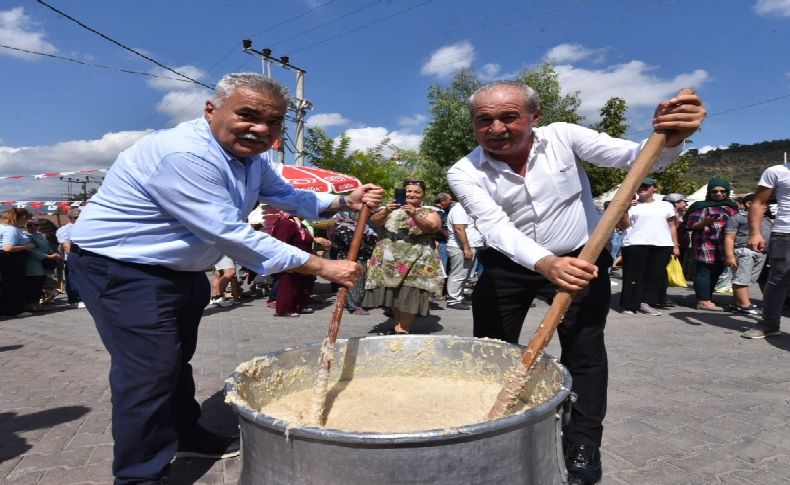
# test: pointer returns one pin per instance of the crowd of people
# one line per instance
(524, 211)
(32, 263)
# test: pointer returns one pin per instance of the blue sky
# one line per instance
(369, 64)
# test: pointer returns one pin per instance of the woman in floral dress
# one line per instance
(404, 270)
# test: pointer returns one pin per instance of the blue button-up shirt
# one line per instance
(176, 198)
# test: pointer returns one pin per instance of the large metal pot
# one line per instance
(522, 448)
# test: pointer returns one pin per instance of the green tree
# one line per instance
(613, 123)
(674, 178)
(554, 106)
(448, 136)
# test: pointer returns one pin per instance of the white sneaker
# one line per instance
(78, 305)
(221, 302)
(648, 310)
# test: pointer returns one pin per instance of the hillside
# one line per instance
(740, 164)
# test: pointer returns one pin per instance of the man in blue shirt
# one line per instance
(171, 206)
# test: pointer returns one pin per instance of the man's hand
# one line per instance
(342, 272)
(468, 253)
(756, 242)
(368, 194)
(731, 261)
(323, 242)
(568, 273)
(680, 117)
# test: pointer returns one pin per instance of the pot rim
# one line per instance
(475, 430)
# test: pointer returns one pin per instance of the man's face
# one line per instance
(502, 124)
(247, 122)
(445, 203)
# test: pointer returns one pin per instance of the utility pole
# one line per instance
(299, 105)
(83, 182)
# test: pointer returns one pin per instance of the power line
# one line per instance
(119, 69)
(122, 45)
(313, 29)
(351, 31)
(731, 110)
(275, 26)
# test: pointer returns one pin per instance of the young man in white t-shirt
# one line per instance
(462, 244)
(774, 180)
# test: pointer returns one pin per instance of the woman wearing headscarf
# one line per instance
(707, 219)
(341, 235)
(293, 289)
(405, 270)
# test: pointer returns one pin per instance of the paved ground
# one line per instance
(690, 402)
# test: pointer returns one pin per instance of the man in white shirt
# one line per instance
(774, 180)
(527, 191)
(462, 244)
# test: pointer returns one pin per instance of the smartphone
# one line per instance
(400, 196)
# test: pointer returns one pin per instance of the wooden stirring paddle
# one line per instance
(318, 400)
(509, 394)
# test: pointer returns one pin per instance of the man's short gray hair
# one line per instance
(249, 80)
(530, 95)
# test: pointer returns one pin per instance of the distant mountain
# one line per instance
(742, 165)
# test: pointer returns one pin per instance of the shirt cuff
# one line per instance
(528, 255)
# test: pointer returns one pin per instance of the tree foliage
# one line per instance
(448, 136)
(384, 165)
(613, 123)
(554, 106)
(675, 178)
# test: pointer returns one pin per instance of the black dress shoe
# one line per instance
(583, 463)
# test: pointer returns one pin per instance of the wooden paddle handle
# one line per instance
(592, 249)
(342, 293)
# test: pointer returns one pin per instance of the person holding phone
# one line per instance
(707, 219)
(404, 270)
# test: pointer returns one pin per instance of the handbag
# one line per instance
(675, 276)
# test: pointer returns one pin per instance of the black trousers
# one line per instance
(644, 274)
(501, 300)
(147, 317)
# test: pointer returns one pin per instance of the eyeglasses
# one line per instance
(719, 191)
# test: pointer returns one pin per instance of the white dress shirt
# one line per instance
(550, 210)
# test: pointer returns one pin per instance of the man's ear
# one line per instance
(208, 111)
(537, 115)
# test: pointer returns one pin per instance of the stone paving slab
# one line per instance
(690, 402)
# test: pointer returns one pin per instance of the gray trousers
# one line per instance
(458, 271)
(778, 279)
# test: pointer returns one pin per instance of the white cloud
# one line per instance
(767, 7)
(323, 120)
(17, 30)
(181, 106)
(412, 121)
(370, 136)
(449, 59)
(183, 100)
(707, 148)
(572, 53)
(61, 157)
(489, 72)
(631, 81)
